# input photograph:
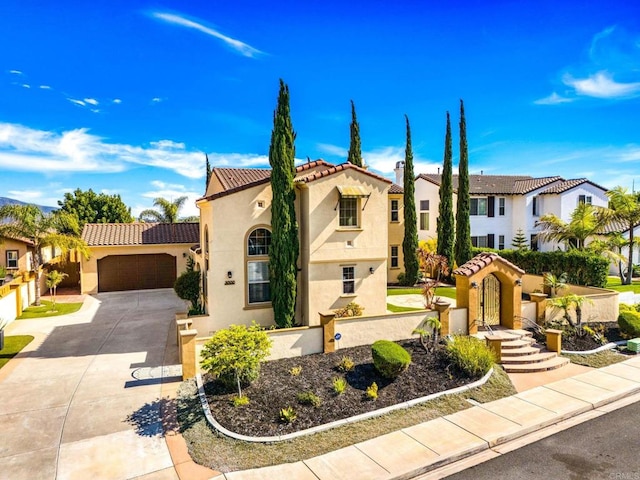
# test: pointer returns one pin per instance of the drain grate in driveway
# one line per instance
(158, 373)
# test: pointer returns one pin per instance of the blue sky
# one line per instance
(127, 96)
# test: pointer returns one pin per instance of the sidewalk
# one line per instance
(476, 434)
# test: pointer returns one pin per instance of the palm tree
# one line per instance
(168, 211)
(611, 248)
(555, 283)
(54, 278)
(42, 229)
(568, 303)
(586, 221)
(625, 209)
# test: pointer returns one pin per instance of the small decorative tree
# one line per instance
(430, 336)
(436, 267)
(555, 283)
(568, 303)
(235, 353)
(519, 242)
(187, 287)
(54, 278)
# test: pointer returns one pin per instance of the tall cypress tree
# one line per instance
(410, 241)
(355, 150)
(209, 171)
(446, 233)
(463, 228)
(284, 249)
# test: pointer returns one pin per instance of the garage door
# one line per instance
(136, 272)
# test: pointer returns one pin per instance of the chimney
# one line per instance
(399, 173)
(481, 172)
(438, 170)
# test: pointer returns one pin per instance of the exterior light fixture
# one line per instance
(371, 270)
(519, 282)
(229, 274)
(474, 284)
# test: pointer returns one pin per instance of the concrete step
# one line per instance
(518, 352)
(533, 358)
(516, 344)
(546, 365)
(520, 333)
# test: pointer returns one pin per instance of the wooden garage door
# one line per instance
(136, 272)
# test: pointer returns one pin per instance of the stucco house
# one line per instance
(503, 204)
(16, 254)
(342, 213)
(135, 256)
(395, 264)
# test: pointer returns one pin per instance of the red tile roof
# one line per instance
(121, 234)
(480, 261)
(395, 188)
(237, 179)
(568, 185)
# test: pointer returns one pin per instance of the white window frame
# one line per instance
(501, 206)
(424, 220)
(257, 253)
(478, 206)
(500, 242)
(349, 280)
(479, 241)
(395, 258)
(588, 199)
(395, 211)
(349, 212)
(13, 263)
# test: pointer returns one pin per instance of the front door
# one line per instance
(489, 301)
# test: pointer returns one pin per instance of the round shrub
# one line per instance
(470, 355)
(389, 358)
(625, 307)
(629, 323)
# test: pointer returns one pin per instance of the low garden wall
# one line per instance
(8, 307)
(15, 296)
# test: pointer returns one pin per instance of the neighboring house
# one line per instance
(503, 204)
(16, 255)
(135, 256)
(395, 263)
(342, 213)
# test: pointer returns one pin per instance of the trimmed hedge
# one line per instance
(389, 358)
(629, 323)
(582, 268)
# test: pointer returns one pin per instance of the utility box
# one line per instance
(634, 345)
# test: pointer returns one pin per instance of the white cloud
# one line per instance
(601, 85)
(26, 149)
(553, 99)
(237, 45)
(333, 150)
(91, 101)
(117, 101)
(45, 87)
(25, 195)
(26, 85)
(171, 192)
(156, 99)
(15, 72)
(76, 102)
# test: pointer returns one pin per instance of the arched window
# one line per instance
(258, 243)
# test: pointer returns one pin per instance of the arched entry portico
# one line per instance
(490, 288)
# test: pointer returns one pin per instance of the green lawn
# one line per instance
(12, 346)
(613, 283)
(398, 309)
(45, 310)
(440, 291)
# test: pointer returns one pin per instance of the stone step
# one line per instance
(522, 351)
(516, 344)
(551, 364)
(520, 333)
(533, 358)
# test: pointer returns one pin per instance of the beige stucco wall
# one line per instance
(22, 248)
(458, 321)
(323, 252)
(396, 236)
(295, 342)
(89, 268)
(8, 310)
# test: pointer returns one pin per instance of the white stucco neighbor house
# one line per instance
(503, 204)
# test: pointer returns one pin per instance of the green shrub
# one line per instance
(389, 358)
(295, 371)
(187, 287)
(288, 415)
(629, 323)
(372, 391)
(339, 385)
(470, 355)
(240, 401)
(234, 354)
(309, 398)
(346, 364)
(582, 267)
(625, 307)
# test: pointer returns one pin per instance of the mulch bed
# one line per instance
(582, 343)
(276, 388)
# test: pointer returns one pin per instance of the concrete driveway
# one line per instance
(83, 400)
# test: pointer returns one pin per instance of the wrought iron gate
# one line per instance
(489, 301)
